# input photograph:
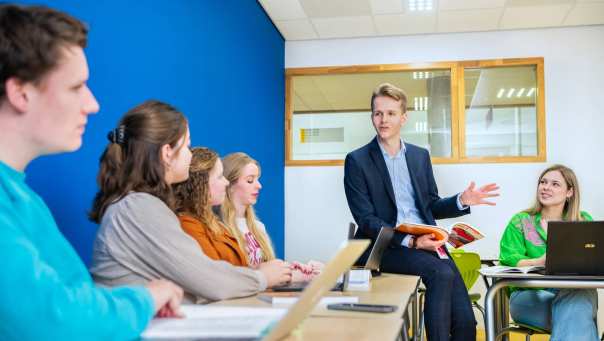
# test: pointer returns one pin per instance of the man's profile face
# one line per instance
(60, 103)
(388, 117)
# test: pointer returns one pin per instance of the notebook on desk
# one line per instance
(575, 248)
(265, 323)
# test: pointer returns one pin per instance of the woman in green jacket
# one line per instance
(568, 313)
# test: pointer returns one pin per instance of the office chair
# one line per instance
(522, 329)
(515, 327)
(468, 264)
(352, 229)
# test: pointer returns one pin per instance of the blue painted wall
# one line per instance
(221, 62)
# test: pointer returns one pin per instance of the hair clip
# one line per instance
(117, 135)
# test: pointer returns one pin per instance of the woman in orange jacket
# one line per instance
(205, 188)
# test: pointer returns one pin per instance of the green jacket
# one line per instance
(524, 238)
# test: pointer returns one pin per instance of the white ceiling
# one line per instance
(326, 19)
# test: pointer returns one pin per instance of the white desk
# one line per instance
(501, 281)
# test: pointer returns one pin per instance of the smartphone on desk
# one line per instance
(367, 308)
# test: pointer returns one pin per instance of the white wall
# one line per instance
(316, 212)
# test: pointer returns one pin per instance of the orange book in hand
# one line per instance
(460, 235)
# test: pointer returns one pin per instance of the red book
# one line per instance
(459, 234)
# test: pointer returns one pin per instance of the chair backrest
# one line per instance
(352, 229)
(468, 264)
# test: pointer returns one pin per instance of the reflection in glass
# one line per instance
(501, 115)
(332, 113)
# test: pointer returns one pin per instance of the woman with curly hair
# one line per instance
(205, 188)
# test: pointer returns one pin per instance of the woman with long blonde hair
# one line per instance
(195, 197)
(568, 313)
(237, 210)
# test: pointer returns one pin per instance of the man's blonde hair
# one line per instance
(389, 90)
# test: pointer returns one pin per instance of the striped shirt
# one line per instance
(252, 247)
(404, 194)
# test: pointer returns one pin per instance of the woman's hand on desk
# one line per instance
(428, 243)
(166, 297)
(533, 262)
(276, 271)
(305, 272)
(541, 260)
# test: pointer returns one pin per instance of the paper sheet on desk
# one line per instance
(284, 301)
(500, 269)
(214, 322)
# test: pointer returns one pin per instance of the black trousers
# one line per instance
(448, 311)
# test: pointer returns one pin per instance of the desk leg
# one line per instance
(415, 312)
(500, 318)
(405, 335)
(505, 313)
(412, 319)
(492, 314)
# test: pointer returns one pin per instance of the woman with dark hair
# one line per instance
(569, 313)
(204, 189)
(140, 236)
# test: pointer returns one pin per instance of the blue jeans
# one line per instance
(570, 314)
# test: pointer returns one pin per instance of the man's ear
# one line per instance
(16, 94)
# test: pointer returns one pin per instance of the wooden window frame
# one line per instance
(458, 129)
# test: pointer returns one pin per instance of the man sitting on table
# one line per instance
(388, 182)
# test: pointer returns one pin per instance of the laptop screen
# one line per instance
(575, 248)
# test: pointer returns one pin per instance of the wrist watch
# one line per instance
(413, 243)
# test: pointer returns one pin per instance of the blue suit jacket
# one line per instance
(371, 197)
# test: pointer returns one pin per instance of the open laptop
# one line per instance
(267, 324)
(381, 244)
(575, 248)
(373, 264)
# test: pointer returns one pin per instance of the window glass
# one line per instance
(500, 111)
(332, 113)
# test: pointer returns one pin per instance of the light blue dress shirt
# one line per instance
(404, 194)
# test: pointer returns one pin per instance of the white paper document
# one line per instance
(289, 300)
(215, 322)
(493, 270)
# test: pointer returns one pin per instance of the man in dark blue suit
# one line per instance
(388, 182)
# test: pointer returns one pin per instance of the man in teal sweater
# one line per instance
(46, 292)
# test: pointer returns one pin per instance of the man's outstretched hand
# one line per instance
(476, 196)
